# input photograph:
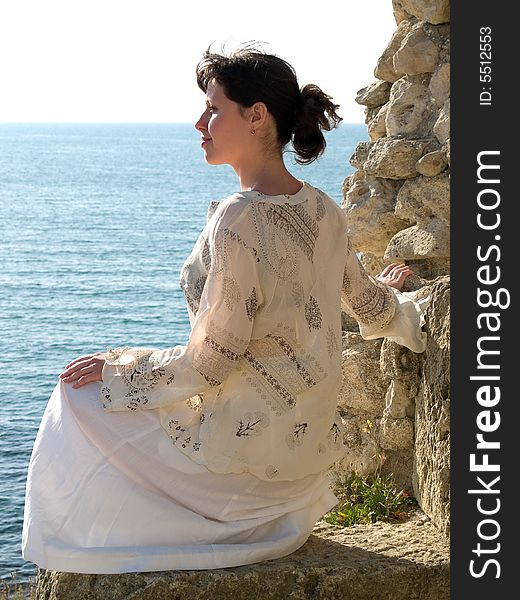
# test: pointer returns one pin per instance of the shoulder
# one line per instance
(232, 213)
(326, 205)
(320, 194)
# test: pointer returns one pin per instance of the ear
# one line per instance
(257, 114)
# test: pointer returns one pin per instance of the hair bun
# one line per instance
(314, 113)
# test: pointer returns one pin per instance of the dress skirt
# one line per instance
(108, 492)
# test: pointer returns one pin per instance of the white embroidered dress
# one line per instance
(215, 453)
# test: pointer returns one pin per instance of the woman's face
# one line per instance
(225, 129)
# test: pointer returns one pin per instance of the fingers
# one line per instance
(402, 272)
(388, 268)
(79, 377)
(79, 359)
(84, 369)
(395, 274)
(396, 270)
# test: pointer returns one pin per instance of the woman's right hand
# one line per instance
(85, 369)
(394, 275)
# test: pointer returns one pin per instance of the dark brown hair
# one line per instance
(249, 75)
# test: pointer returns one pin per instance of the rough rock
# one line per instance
(431, 240)
(360, 154)
(431, 476)
(382, 561)
(385, 65)
(447, 150)
(432, 164)
(375, 118)
(439, 85)
(370, 209)
(418, 53)
(362, 389)
(424, 198)
(441, 129)
(408, 107)
(434, 12)
(396, 434)
(396, 158)
(375, 94)
(362, 450)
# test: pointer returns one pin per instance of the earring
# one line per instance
(252, 132)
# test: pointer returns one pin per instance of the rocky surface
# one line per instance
(431, 473)
(381, 561)
(394, 404)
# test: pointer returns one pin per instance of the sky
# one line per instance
(134, 60)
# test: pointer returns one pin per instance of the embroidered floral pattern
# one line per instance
(137, 369)
(212, 207)
(105, 396)
(195, 402)
(251, 305)
(374, 305)
(176, 429)
(192, 281)
(278, 369)
(286, 396)
(221, 251)
(296, 222)
(313, 314)
(334, 437)
(230, 292)
(136, 399)
(289, 352)
(297, 294)
(370, 301)
(276, 247)
(252, 424)
(295, 438)
(332, 342)
(218, 354)
(320, 205)
(193, 293)
(206, 255)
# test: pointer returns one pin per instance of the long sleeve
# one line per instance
(226, 301)
(380, 310)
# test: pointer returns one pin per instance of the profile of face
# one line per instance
(225, 128)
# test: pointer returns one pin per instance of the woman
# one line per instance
(215, 454)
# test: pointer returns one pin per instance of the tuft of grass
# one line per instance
(363, 500)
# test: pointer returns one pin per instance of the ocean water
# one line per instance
(95, 223)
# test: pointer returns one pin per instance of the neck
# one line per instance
(269, 176)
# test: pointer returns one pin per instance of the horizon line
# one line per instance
(129, 123)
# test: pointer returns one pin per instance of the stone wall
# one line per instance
(394, 403)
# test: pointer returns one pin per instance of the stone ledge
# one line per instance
(382, 561)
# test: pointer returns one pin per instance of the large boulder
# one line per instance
(382, 561)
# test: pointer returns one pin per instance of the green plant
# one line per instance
(364, 500)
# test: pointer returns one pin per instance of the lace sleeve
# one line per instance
(380, 310)
(137, 378)
(370, 302)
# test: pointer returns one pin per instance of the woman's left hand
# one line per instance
(394, 275)
(84, 369)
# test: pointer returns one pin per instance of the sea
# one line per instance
(95, 223)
